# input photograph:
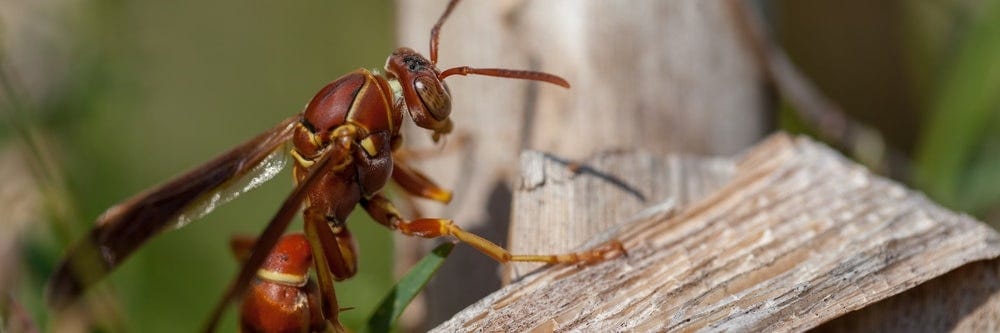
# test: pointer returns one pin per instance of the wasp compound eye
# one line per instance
(434, 96)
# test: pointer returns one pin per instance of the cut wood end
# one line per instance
(797, 237)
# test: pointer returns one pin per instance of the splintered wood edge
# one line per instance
(800, 236)
(966, 299)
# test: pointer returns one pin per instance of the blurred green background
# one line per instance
(126, 94)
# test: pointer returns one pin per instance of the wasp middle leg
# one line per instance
(385, 213)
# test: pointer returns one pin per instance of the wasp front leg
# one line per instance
(417, 184)
(385, 213)
(335, 257)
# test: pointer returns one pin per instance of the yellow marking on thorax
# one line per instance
(305, 163)
(359, 96)
(369, 145)
(396, 89)
(313, 138)
(386, 96)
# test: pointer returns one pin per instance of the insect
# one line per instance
(281, 297)
(342, 147)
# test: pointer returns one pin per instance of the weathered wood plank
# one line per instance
(559, 204)
(798, 237)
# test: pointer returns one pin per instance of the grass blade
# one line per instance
(409, 286)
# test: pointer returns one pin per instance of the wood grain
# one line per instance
(798, 237)
(559, 205)
(964, 300)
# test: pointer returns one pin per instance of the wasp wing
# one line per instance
(261, 172)
(127, 225)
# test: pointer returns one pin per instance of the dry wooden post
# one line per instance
(662, 76)
(799, 236)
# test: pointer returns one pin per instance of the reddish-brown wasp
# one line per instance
(342, 146)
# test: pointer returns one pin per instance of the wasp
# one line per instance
(342, 147)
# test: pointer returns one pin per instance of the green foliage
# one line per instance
(958, 159)
(406, 290)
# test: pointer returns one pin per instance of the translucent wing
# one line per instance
(269, 167)
(126, 226)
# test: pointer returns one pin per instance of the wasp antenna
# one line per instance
(436, 30)
(508, 73)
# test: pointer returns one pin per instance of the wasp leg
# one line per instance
(335, 259)
(314, 297)
(383, 211)
(416, 183)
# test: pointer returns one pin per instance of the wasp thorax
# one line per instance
(434, 96)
